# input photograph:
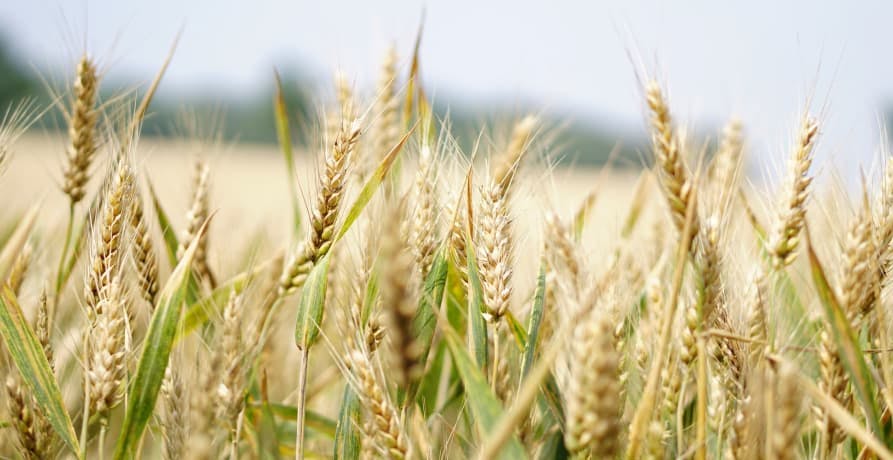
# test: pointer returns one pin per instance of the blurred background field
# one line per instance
(577, 64)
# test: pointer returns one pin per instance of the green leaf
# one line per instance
(477, 324)
(425, 320)
(80, 241)
(375, 180)
(583, 214)
(484, 406)
(164, 223)
(553, 448)
(347, 433)
(517, 329)
(199, 312)
(156, 352)
(267, 430)
(171, 243)
(283, 133)
(312, 304)
(847, 342)
(314, 421)
(536, 320)
(27, 354)
(17, 241)
(638, 203)
(371, 296)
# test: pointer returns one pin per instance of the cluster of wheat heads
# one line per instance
(428, 306)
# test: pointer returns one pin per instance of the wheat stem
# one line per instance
(304, 359)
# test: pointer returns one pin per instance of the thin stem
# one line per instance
(103, 428)
(85, 418)
(701, 442)
(68, 229)
(302, 390)
(642, 415)
(237, 432)
(494, 373)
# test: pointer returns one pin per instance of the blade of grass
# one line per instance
(17, 241)
(164, 223)
(484, 406)
(844, 419)
(199, 312)
(156, 352)
(477, 324)
(268, 433)
(847, 342)
(283, 133)
(311, 307)
(635, 208)
(582, 214)
(375, 180)
(171, 243)
(150, 94)
(424, 322)
(521, 407)
(536, 320)
(347, 436)
(312, 304)
(29, 358)
(315, 421)
(413, 75)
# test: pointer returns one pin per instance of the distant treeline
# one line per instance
(250, 119)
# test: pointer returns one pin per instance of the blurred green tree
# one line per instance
(15, 82)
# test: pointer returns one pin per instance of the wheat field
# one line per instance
(383, 294)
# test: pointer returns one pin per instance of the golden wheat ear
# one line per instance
(81, 130)
(674, 176)
(785, 238)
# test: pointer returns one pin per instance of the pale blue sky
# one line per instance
(757, 59)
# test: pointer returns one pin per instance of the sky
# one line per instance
(762, 61)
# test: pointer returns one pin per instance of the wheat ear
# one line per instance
(81, 130)
(324, 215)
(593, 392)
(197, 215)
(784, 240)
(389, 437)
(672, 172)
(397, 295)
